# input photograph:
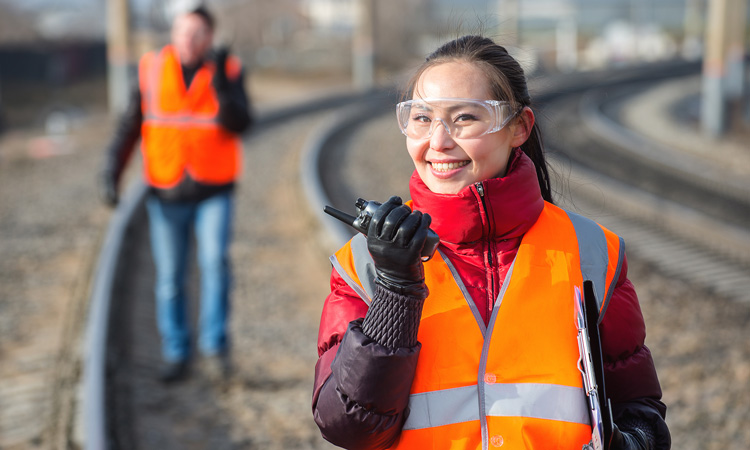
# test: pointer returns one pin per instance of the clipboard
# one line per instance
(591, 313)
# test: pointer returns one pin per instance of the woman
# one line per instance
(476, 348)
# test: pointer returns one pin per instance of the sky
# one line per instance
(541, 12)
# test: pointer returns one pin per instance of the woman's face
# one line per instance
(447, 164)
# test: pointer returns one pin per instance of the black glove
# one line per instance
(220, 81)
(108, 189)
(395, 238)
(634, 439)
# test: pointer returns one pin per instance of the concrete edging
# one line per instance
(336, 233)
(92, 416)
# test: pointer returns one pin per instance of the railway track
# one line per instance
(332, 156)
(672, 209)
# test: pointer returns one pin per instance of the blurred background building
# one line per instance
(64, 43)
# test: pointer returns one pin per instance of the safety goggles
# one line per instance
(462, 118)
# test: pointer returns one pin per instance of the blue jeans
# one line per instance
(171, 225)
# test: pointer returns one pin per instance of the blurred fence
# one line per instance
(56, 64)
(37, 77)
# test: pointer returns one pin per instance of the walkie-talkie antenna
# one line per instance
(341, 215)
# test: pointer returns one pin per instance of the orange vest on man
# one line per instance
(180, 132)
(514, 384)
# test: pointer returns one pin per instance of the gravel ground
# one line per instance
(52, 225)
(50, 229)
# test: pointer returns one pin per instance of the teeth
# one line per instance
(444, 167)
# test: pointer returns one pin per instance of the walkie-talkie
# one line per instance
(361, 222)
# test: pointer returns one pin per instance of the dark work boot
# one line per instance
(174, 371)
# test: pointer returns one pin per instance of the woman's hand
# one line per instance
(395, 238)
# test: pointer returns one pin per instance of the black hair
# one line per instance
(203, 12)
(507, 83)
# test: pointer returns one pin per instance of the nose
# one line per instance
(440, 136)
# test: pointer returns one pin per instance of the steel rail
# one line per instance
(680, 164)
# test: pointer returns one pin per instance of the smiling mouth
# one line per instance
(444, 167)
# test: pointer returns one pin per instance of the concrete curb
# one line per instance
(91, 418)
(336, 233)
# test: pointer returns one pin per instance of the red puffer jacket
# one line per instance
(481, 240)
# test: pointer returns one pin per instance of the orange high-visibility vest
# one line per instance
(514, 384)
(180, 131)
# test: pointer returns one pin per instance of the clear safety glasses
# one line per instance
(461, 117)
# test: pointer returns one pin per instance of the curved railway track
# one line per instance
(333, 157)
(673, 209)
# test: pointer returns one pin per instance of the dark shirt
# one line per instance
(234, 115)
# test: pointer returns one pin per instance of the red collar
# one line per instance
(509, 207)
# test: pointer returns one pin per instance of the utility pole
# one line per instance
(566, 39)
(736, 89)
(363, 45)
(118, 57)
(713, 101)
(723, 65)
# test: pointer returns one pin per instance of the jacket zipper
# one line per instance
(490, 259)
(480, 191)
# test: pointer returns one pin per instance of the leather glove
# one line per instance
(220, 81)
(634, 439)
(108, 189)
(395, 238)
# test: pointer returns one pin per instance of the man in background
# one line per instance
(188, 111)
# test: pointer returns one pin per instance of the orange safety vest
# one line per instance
(180, 131)
(514, 384)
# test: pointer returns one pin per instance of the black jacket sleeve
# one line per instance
(126, 135)
(364, 402)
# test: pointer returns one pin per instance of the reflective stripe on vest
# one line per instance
(180, 131)
(596, 265)
(449, 406)
(515, 383)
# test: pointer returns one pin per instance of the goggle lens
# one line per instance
(461, 118)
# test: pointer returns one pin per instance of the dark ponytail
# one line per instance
(507, 83)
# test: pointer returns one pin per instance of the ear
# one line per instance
(522, 126)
